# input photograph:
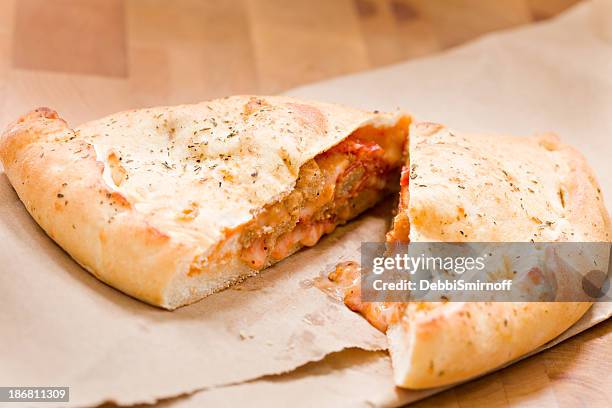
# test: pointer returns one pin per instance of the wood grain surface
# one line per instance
(88, 58)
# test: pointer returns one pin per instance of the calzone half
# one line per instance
(171, 204)
(461, 187)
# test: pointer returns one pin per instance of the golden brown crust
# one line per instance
(59, 180)
(114, 192)
(482, 188)
(470, 187)
(457, 341)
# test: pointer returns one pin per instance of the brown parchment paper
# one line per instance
(351, 378)
(60, 326)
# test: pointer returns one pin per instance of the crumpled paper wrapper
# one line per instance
(276, 339)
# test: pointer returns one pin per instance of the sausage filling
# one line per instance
(332, 188)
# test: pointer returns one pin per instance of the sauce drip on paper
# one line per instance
(344, 283)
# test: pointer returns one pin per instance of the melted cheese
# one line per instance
(346, 281)
(330, 190)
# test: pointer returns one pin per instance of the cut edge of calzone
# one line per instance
(458, 187)
(171, 204)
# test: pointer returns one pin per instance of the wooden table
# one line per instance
(87, 58)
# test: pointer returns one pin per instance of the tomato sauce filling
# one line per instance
(345, 280)
(332, 188)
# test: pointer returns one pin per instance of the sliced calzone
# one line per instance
(171, 204)
(459, 188)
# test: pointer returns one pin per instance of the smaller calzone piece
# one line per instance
(171, 204)
(459, 187)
